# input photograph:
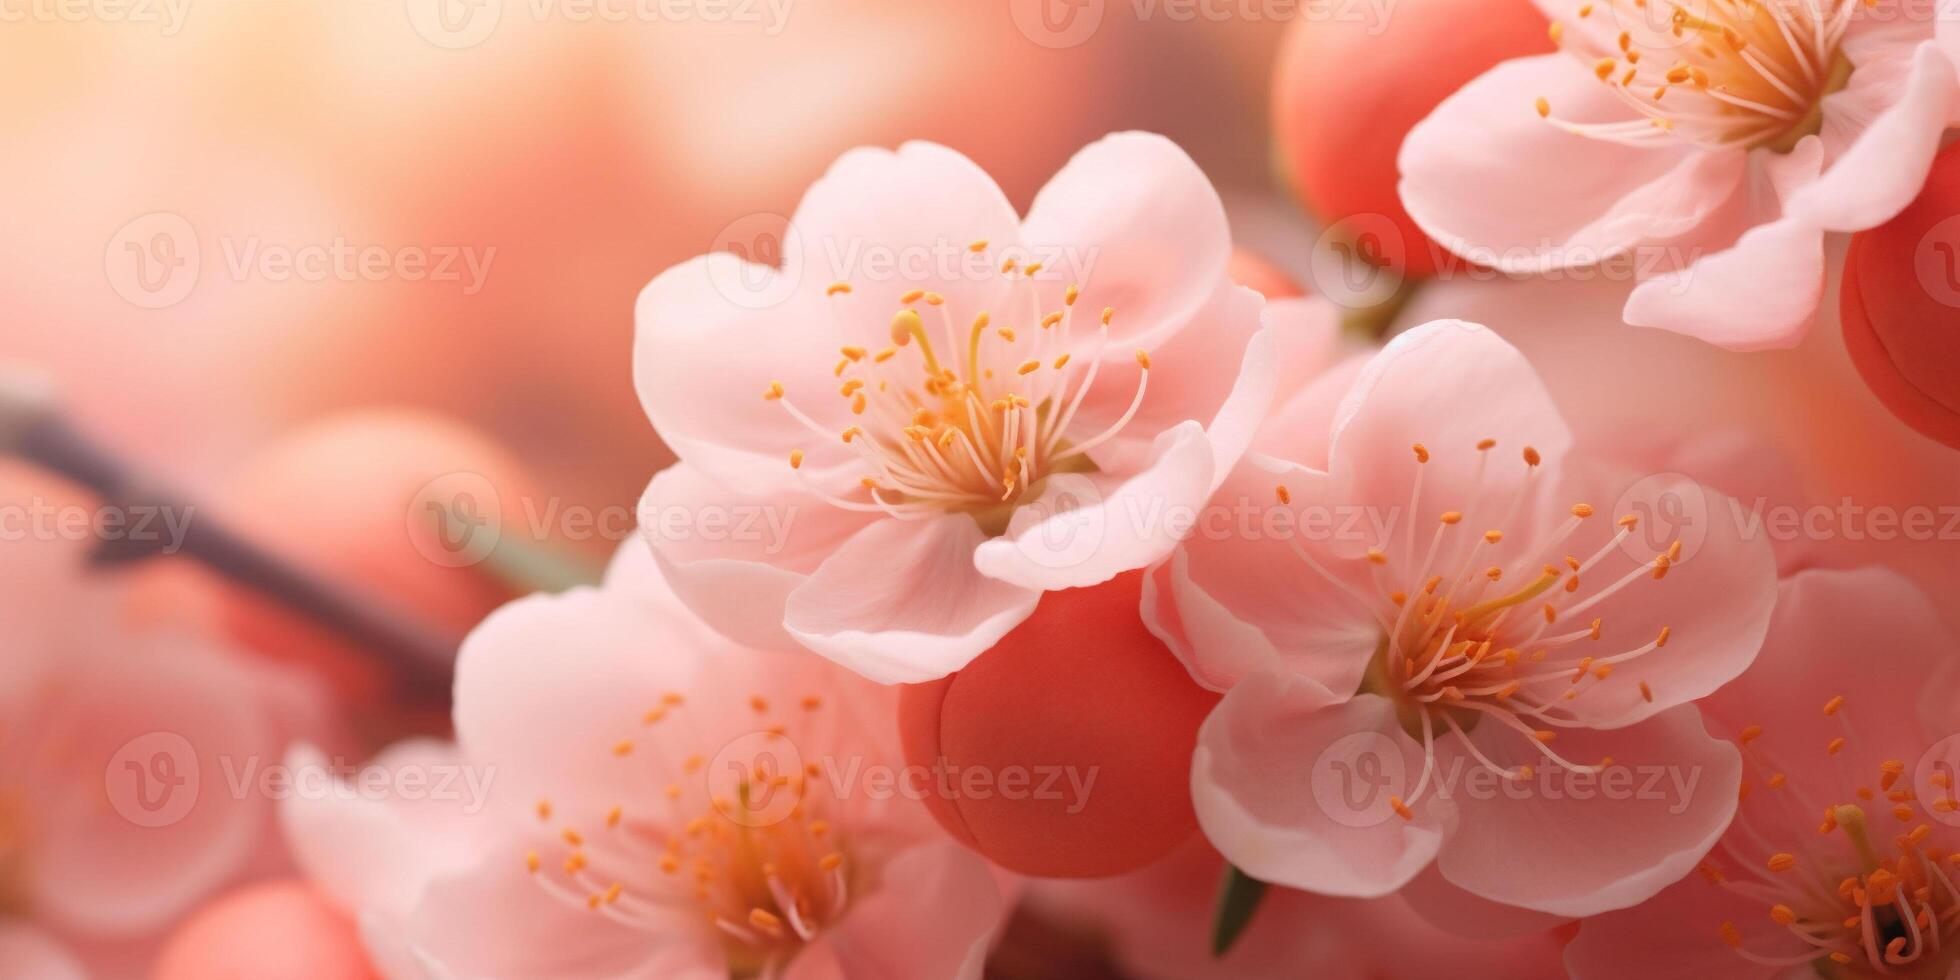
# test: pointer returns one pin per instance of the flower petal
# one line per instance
(495, 920)
(892, 221)
(1244, 602)
(1490, 180)
(1447, 385)
(1713, 598)
(933, 916)
(97, 869)
(576, 668)
(1677, 933)
(1664, 801)
(703, 360)
(1142, 227)
(901, 602)
(1292, 785)
(1082, 531)
(1759, 292)
(1880, 132)
(735, 559)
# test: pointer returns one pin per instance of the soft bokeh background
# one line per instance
(576, 149)
(588, 154)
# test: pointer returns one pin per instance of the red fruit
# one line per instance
(277, 929)
(1080, 690)
(1348, 90)
(1900, 305)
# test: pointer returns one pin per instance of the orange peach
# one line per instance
(1900, 305)
(1078, 727)
(350, 498)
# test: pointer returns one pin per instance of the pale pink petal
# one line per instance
(704, 356)
(27, 952)
(1760, 292)
(889, 222)
(165, 726)
(1678, 934)
(372, 854)
(1543, 845)
(735, 559)
(1141, 227)
(1713, 600)
(1220, 373)
(1880, 133)
(932, 917)
(901, 601)
(1462, 913)
(1301, 426)
(1236, 598)
(1447, 385)
(1083, 530)
(494, 921)
(1292, 785)
(1307, 340)
(1821, 614)
(1489, 179)
(579, 669)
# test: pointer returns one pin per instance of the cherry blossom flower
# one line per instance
(1844, 856)
(1713, 141)
(661, 803)
(115, 740)
(1009, 406)
(1443, 647)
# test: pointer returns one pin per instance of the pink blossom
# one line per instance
(1157, 923)
(116, 741)
(662, 804)
(1459, 598)
(1004, 407)
(1712, 143)
(1845, 852)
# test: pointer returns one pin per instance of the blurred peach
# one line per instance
(1347, 89)
(276, 929)
(355, 498)
(1081, 689)
(1900, 304)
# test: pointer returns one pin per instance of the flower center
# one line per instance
(744, 841)
(1715, 73)
(1848, 901)
(952, 419)
(1482, 627)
